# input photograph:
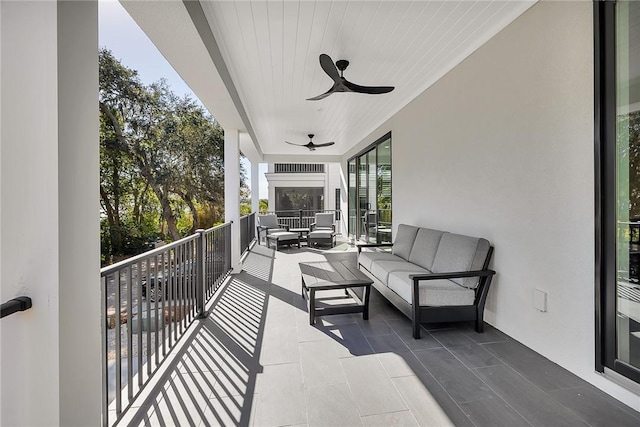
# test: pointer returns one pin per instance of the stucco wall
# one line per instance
(502, 147)
(49, 223)
(29, 216)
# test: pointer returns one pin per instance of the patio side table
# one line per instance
(331, 275)
(302, 232)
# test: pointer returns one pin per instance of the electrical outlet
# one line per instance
(540, 300)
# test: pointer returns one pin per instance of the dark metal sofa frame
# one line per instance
(438, 314)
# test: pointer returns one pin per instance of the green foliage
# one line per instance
(161, 162)
(264, 205)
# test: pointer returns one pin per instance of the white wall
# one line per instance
(29, 218)
(502, 147)
(78, 205)
(49, 232)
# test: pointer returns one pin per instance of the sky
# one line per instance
(119, 33)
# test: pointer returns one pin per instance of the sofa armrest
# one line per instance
(451, 275)
(415, 291)
(372, 245)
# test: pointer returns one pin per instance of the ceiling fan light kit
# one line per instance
(340, 84)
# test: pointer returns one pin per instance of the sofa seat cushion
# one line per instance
(381, 269)
(461, 253)
(432, 292)
(404, 240)
(366, 258)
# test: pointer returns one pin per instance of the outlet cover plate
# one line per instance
(540, 300)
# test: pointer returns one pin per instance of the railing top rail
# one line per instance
(130, 261)
(247, 216)
(216, 227)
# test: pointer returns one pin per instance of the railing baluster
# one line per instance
(180, 273)
(168, 282)
(129, 335)
(138, 284)
(118, 333)
(155, 307)
(148, 310)
(164, 312)
(104, 324)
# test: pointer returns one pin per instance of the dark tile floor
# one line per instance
(256, 361)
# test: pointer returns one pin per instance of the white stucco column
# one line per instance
(232, 192)
(78, 219)
(255, 186)
(49, 224)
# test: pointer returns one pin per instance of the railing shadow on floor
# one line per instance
(212, 379)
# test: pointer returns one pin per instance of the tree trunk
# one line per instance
(188, 199)
(115, 231)
(170, 218)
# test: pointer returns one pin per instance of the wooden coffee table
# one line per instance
(331, 275)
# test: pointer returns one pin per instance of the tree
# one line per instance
(161, 157)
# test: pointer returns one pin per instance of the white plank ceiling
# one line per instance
(271, 49)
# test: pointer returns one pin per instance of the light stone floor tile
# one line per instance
(231, 383)
(421, 402)
(396, 363)
(225, 411)
(371, 386)
(393, 419)
(280, 346)
(280, 396)
(331, 405)
(320, 364)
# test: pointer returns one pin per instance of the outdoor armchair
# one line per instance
(269, 224)
(323, 230)
(323, 221)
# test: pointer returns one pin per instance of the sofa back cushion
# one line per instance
(404, 240)
(425, 246)
(460, 253)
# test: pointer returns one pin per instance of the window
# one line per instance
(617, 73)
(295, 198)
(369, 175)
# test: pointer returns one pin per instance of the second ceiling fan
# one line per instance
(310, 145)
(340, 83)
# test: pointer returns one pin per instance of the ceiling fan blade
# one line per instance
(299, 145)
(326, 144)
(324, 95)
(329, 67)
(373, 90)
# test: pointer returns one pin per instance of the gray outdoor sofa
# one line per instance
(432, 276)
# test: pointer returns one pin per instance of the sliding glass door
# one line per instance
(370, 193)
(618, 262)
(628, 181)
